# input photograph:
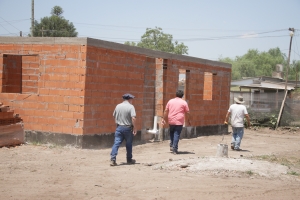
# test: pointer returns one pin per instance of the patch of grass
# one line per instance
(249, 172)
(269, 119)
(49, 145)
(293, 173)
(267, 157)
(286, 161)
(52, 146)
(35, 143)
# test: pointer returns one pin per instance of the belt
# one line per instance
(125, 125)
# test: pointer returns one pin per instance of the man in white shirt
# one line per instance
(237, 112)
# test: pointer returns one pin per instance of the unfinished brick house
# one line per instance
(65, 89)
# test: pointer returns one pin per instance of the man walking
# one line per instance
(237, 112)
(125, 118)
(175, 114)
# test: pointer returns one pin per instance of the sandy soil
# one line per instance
(267, 168)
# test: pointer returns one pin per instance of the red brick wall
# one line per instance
(203, 112)
(30, 73)
(149, 103)
(53, 80)
(110, 74)
(74, 89)
(171, 77)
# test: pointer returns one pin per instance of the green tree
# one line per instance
(54, 26)
(156, 39)
(57, 10)
(130, 43)
(294, 71)
(255, 63)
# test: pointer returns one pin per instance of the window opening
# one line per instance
(20, 74)
(181, 81)
(207, 90)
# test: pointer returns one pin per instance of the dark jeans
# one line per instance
(175, 131)
(122, 132)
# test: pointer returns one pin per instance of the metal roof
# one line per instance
(270, 85)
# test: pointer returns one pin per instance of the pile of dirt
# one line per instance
(224, 166)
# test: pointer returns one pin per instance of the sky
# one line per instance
(211, 29)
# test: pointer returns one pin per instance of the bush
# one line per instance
(270, 119)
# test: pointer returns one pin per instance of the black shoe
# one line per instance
(238, 149)
(131, 162)
(171, 149)
(113, 163)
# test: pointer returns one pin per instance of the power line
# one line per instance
(225, 37)
(10, 24)
(20, 20)
(169, 28)
(55, 31)
(180, 29)
(252, 35)
(244, 36)
(197, 39)
(7, 30)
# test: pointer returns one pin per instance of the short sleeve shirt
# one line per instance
(237, 112)
(177, 108)
(123, 113)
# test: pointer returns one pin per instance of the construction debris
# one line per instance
(11, 127)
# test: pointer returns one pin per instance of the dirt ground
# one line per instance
(268, 167)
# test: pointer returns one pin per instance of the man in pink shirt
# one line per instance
(174, 113)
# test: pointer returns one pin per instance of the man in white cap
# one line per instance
(125, 118)
(237, 112)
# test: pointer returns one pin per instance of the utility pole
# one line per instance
(32, 17)
(296, 76)
(292, 30)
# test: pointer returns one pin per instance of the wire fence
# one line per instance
(264, 108)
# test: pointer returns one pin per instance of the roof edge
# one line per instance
(152, 53)
(109, 45)
(43, 40)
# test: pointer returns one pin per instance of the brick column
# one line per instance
(159, 88)
(159, 94)
(187, 88)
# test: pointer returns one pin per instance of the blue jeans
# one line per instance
(237, 135)
(175, 131)
(122, 132)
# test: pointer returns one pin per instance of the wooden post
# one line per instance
(286, 79)
(276, 99)
(32, 17)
